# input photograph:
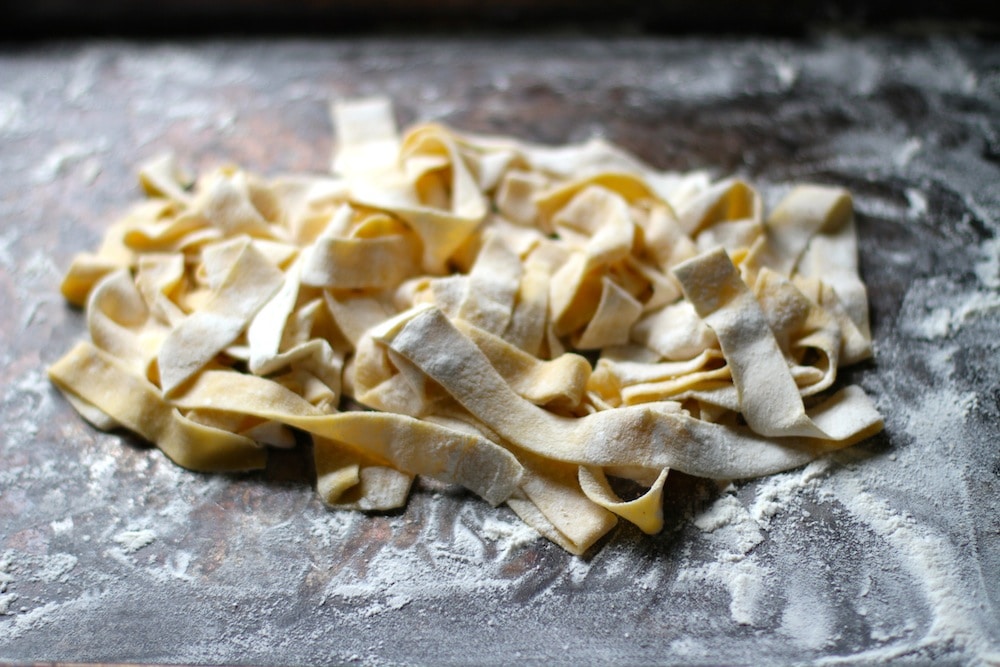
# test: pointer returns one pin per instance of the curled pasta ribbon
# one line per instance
(529, 322)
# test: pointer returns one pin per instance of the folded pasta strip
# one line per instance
(461, 287)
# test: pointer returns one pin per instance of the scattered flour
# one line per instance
(65, 156)
(509, 536)
(732, 527)
(934, 565)
(917, 201)
(62, 526)
(786, 72)
(176, 566)
(988, 268)
(133, 540)
(905, 153)
(6, 578)
(807, 618)
(12, 112)
(733, 534)
(776, 493)
(54, 568)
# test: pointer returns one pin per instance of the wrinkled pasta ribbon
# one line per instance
(462, 286)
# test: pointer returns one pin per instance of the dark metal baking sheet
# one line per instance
(889, 551)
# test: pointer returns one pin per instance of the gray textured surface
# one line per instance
(888, 552)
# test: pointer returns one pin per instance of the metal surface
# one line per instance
(889, 551)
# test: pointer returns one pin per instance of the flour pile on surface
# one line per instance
(451, 282)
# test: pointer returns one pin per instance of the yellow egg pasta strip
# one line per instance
(552, 502)
(348, 480)
(118, 322)
(799, 325)
(650, 436)
(422, 448)
(133, 402)
(728, 200)
(377, 261)
(769, 398)
(559, 383)
(266, 330)
(627, 373)
(528, 320)
(492, 287)
(169, 233)
(249, 284)
(675, 332)
(804, 212)
(516, 195)
(625, 186)
(163, 177)
(832, 257)
(669, 390)
(355, 314)
(242, 394)
(367, 140)
(83, 274)
(158, 277)
(646, 511)
(226, 201)
(443, 226)
(414, 446)
(616, 312)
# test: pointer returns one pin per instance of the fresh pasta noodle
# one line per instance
(528, 322)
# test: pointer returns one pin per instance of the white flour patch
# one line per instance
(62, 526)
(917, 203)
(786, 72)
(64, 156)
(745, 580)
(806, 620)
(904, 154)
(6, 579)
(101, 469)
(83, 78)
(509, 536)
(176, 567)
(988, 268)
(936, 324)
(53, 568)
(11, 113)
(732, 527)
(778, 493)
(8, 238)
(133, 540)
(733, 534)
(958, 617)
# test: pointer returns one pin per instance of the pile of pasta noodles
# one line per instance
(529, 322)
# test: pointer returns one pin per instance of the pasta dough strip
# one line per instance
(96, 378)
(248, 285)
(652, 436)
(769, 398)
